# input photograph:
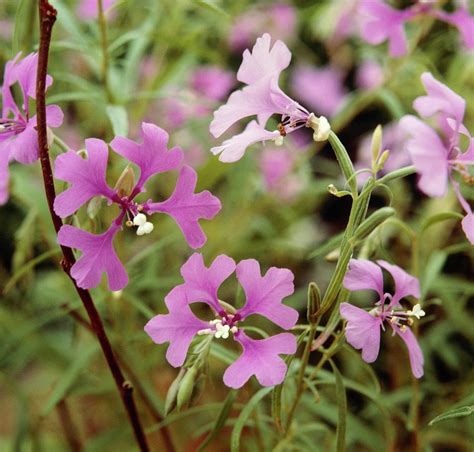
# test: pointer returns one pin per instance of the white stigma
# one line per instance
(417, 312)
(144, 227)
(320, 125)
(218, 330)
(222, 331)
(278, 141)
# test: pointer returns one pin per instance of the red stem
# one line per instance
(47, 17)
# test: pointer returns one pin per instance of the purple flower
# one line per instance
(322, 88)
(264, 297)
(212, 82)
(363, 328)
(369, 75)
(382, 23)
(437, 159)
(278, 19)
(87, 180)
(262, 97)
(463, 21)
(18, 137)
(89, 9)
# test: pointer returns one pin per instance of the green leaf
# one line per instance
(221, 419)
(454, 413)
(244, 415)
(69, 378)
(25, 20)
(118, 118)
(344, 161)
(397, 174)
(443, 216)
(341, 409)
(212, 6)
(375, 220)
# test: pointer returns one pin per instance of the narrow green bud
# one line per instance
(338, 193)
(344, 160)
(376, 144)
(186, 388)
(375, 220)
(170, 401)
(383, 158)
(314, 302)
(125, 182)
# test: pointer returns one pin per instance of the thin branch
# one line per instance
(47, 18)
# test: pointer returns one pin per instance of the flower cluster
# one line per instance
(87, 179)
(262, 97)
(363, 328)
(264, 295)
(18, 138)
(436, 158)
(381, 22)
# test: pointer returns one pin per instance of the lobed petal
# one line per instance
(202, 283)
(364, 275)
(405, 284)
(98, 257)
(264, 295)
(178, 327)
(429, 155)
(234, 148)
(5, 160)
(260, 358)
(152, 155)
(187, 207)
(414, 351)
(362, 331)
(86, 176)
(263, 61)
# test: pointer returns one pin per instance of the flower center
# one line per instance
(11, 126)
(221, 328)
(400, 318)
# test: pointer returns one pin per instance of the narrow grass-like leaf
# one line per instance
(118, 118)
(221, 419)
(341, 409)
(243, 417)
(462, 411)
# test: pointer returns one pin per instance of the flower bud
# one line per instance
(170, 401)
(186, 388)
(376, 144)
(125, 182)
(314, 302)
(383, 158)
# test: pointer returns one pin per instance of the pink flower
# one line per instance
(436, 158)
(384, 23)
(87, 179)
(463, 21)
(262, 97)
(322, 88)
(278, 19)
(363, 328)
(264, 297)
(369, 75)
(18, 137)
(89, 9)
(212, 82)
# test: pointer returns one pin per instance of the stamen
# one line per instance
(144, 227)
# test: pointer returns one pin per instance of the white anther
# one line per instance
(234, 329)
(278, 140)
(403, 328)
(320, 125)
(417, 312)
(222, 331)
(144, 227)
(215, 321)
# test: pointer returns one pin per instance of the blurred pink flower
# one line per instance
(279, 20)
(363, 328)
(88, 9)
(321, 88)
(212, 82)
(264, 297)
(369, 75)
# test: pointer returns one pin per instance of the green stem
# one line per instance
(105, 52)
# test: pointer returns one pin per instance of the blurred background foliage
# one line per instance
(53, 376)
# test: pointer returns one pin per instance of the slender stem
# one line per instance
(300, 382)
(69, 429)
(47, 18)
(105, 51)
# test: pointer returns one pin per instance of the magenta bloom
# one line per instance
(264, 297)
(363, 328)
(322, 88)
(89, 9)
(369, 75)
(437, 159)
(463, 21)
(262, 97)
(87, 179)
(212, 82)
(18, 137)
